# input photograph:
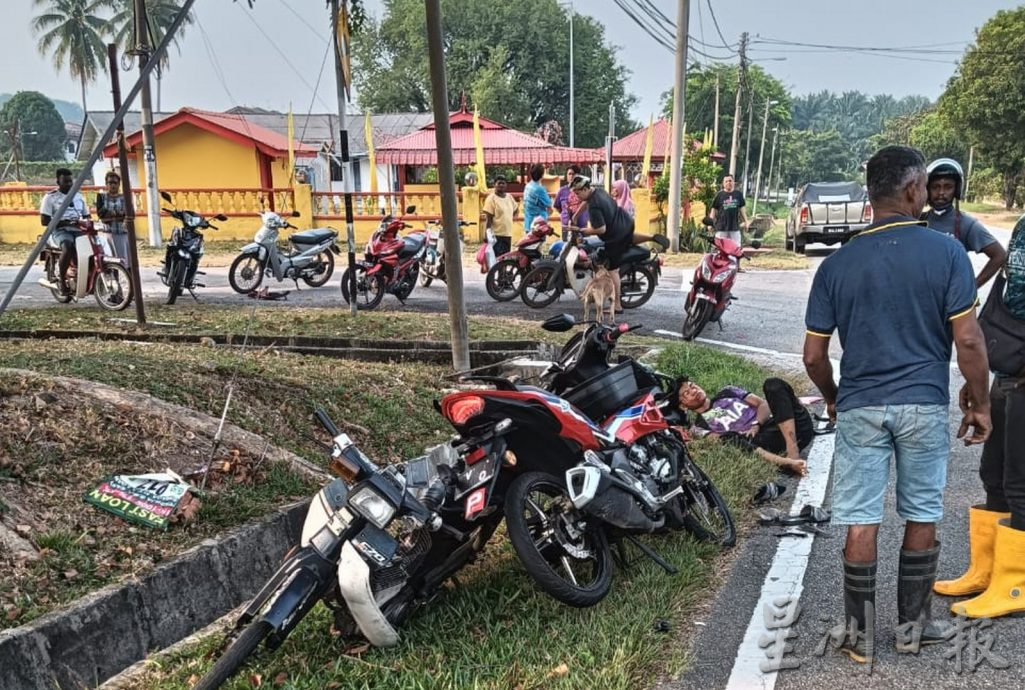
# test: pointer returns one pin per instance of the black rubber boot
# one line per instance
(914, 597)
(859, 585)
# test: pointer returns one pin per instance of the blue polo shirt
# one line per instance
(891, 294)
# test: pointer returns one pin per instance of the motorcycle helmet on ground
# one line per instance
(947, 168)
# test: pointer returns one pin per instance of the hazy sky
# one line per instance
(256, 73)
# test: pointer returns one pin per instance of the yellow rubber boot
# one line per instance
(1006, 592)
(982, 525)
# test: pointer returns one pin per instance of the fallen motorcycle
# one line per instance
(94, 270)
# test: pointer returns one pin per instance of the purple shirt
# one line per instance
(729, 412)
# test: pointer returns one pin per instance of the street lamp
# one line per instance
(761, 155)
(571, 113)
(772, 163)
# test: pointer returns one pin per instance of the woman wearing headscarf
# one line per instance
(621, 193)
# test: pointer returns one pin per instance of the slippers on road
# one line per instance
(769, 492)
(809, 515)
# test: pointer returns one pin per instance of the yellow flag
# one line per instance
(478, 144)
(291, 143)
(649, 142)
(368, 134)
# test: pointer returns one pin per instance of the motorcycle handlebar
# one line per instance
(326, 422)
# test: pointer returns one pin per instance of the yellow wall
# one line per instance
(190, 158)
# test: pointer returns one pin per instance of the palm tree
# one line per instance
(160, 14)
(73, 31)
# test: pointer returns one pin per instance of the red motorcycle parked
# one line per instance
(391, 264)
(505, 278)
(712, 286)
(94, 270)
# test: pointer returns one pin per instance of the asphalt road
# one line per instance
(766, 322)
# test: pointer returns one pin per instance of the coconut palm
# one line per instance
(73, 32)
(160, 14)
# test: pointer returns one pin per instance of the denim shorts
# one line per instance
(917, 436)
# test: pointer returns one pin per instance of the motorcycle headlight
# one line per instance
(372, 506)
(706, 271)
(722, 277)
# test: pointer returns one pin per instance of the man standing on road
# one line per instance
(728, 211)
(64, 232)
(499, 210)
(946, 180)
(897, 294)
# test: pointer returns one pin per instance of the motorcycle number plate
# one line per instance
(477, 474)
(476, 502)
(375, 545)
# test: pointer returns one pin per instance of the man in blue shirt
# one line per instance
(897, 294)
(536, 201)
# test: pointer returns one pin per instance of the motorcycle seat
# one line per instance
(412, 244)
(636, 254)
(313, 236)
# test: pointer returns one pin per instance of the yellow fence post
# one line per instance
(471, 212)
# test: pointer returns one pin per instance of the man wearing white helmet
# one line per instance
(946, 182)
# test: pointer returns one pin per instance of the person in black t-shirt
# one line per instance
(728, 211)
(614, 225)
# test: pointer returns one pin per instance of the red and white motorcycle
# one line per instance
(711, 290)
(94, 270)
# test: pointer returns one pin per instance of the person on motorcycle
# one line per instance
(945, 186)
(64, 231)
(777, 427)
(614, 225)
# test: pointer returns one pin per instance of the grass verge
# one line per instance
(217, 254)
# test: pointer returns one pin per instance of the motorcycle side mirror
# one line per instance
(296, 214)
(707, 220)
(559, 323)
(221, 216)
(167, 197)
(410, 210)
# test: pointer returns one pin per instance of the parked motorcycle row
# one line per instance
(588, 460)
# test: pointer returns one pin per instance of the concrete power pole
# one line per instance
(343, 150)
(572, 118)
(741, 87)
(968, 176)
(447, 182)
(149, 147)
(750, 129)
(715, 122)
(772, 164)
(676, 154)
(761, 155)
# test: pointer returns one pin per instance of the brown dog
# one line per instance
(600, 290)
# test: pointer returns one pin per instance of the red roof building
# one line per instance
(502, 146)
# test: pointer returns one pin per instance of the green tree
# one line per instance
(30, 121)
(816, 157)
(512, 59)
(73, 32)
(985, 99)
(160, 14)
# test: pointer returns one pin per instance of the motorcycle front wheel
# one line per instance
(369, 289)
(707, 516)
(113, 287)
(504, 280)
(240, 650)
(567, 558)
(698, 315)
(245, 274)
(175, 280)
(53, 276)
(327, 267)
(534, 290)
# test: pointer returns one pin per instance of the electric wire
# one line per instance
(725, 43)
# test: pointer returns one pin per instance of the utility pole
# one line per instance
(715, 123)
(343, 150)
(572, 118)
(609, 140)
(149, 147)
(968, 177)
(676, 154)
(750, 128)
(772, 163)
(741, 87)
(126, 190)
(761, 155)
(447, 182)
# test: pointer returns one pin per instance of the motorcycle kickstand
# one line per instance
(193, 293)
(650, 553)
(619, 555)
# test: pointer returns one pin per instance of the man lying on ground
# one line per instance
(777, 428)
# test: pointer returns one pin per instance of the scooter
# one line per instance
(432, 265)
(573, 269)
(184, 251)
(93, 271)
(310, 257)
(711, 289)
(505, 278)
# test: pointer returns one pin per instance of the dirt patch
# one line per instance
(57, 443)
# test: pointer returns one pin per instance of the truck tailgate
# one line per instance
(835, 213)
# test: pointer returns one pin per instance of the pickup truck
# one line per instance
(827, 213)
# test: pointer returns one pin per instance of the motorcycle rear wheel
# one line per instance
(369, 289)
(504, 280)
(538, 531)
(245, 274)
(235, 656)
(175, 280)
(113, 287)
(698, 315)
(534, 289)
(321, 277)
(637, 285)
(707, 516)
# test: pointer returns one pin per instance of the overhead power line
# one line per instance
(715, 21)
(654, 23)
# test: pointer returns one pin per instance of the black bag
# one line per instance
(1005, 335)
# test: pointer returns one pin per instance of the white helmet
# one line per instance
(947, 167)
